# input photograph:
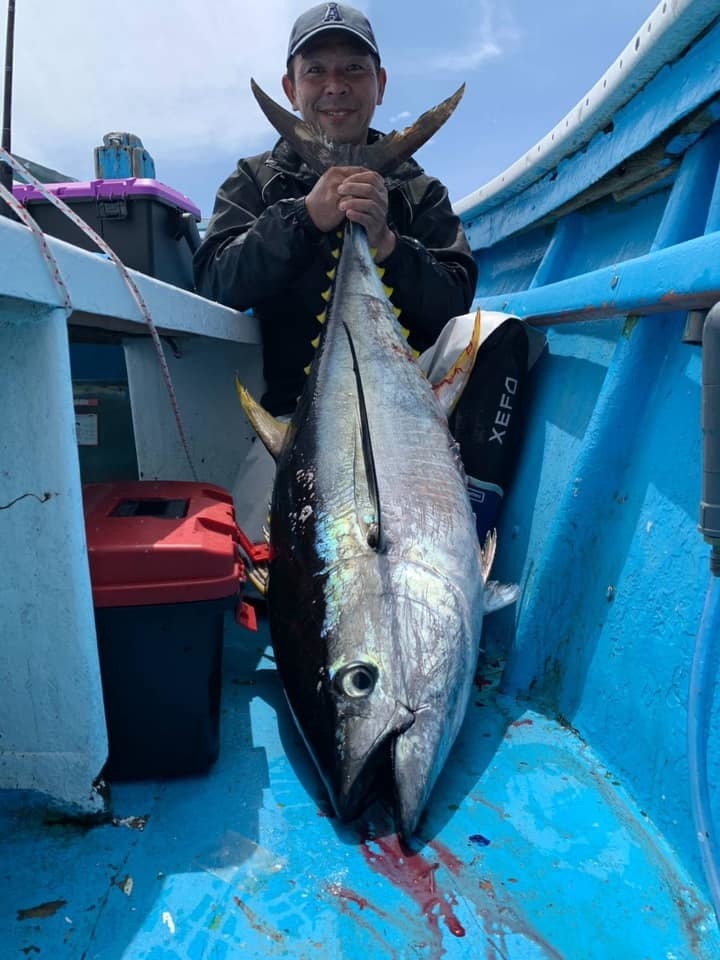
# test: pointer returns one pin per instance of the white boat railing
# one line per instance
(661, 39)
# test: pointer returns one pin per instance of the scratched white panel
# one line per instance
(203, 374)
(51, 710)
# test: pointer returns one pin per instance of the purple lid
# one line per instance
(109, 190)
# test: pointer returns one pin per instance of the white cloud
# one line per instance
(487, 31)
(175, 73)
(466, 60)
(403, 115)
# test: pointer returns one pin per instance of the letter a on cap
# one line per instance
(332, 14)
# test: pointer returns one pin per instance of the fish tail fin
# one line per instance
(383, 155)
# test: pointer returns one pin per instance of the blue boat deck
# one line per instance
(530, 850)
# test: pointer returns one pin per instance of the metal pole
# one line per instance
(5, 171)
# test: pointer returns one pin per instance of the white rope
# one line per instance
(50, 260)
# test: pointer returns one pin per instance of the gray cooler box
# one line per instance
(150, 226)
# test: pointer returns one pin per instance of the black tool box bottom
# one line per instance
(161, 675)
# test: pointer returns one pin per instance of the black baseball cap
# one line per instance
(331, 16)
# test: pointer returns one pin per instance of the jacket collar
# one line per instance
(284, 158)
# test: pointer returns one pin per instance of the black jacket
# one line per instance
(262, 251)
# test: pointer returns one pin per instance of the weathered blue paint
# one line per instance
(612, 579)
(248, 862)
(686, 212)
(122, 156)
(562, 826)
(612, 566)
(565, 239)
(705, 664)
(682, 277)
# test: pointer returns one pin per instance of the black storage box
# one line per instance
(165, 567)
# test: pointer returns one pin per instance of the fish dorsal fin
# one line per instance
(448, 390)
(374, 528)
(272, 432)
(384, 155)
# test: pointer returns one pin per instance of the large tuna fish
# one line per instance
(377, 583)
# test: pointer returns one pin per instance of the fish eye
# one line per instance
(356, 680)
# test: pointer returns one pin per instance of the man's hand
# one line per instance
(358, 194)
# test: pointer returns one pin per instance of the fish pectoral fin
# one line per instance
(272, 432)
(499, 595)
(449, 389)
(374, 535)
(487, 554)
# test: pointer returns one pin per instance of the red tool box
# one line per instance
(165, 568)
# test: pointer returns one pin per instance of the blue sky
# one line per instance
(177, 74)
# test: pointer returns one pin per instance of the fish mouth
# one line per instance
(417, 757)
(368, 775)
(401, 766)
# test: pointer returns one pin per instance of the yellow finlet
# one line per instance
(380, 272)
(331, 273)
(307, 369)
(388, 290)
(316, 342)
(259, 581)
(405, 332)
(326, 294)
(416, 354)
(335, 253)
(321, 317)
(339, 234)
(373, 252)
(397, 311)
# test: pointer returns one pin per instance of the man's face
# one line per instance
(336, 85)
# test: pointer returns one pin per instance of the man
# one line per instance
(273, 234)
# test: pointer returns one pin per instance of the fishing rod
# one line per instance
(5, 171)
